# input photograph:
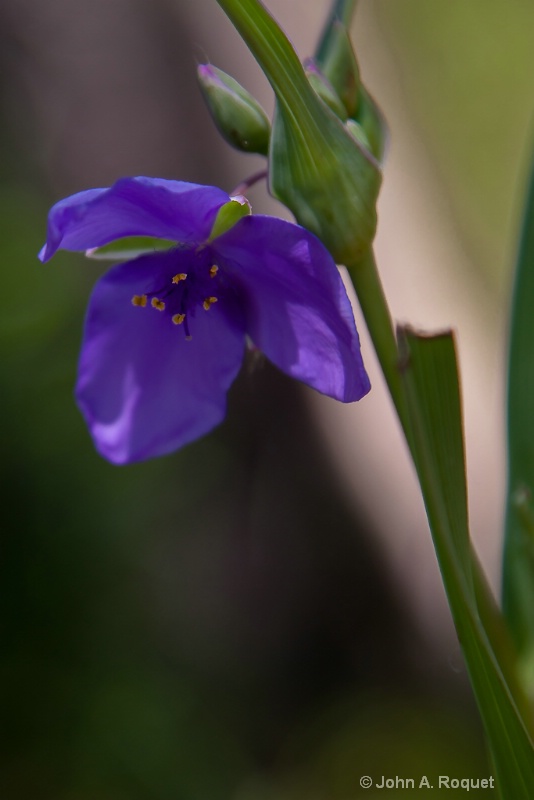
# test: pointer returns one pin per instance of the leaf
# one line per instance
(430, 378)
(518, 566)
(432, 385)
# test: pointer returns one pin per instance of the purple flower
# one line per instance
(165, 332)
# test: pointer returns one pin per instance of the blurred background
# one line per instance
(258, 616)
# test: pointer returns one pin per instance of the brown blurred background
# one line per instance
(260, 615)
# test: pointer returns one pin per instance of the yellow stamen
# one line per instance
(208, 302)
(139, 300)
(159, 304)
(214, 270)
(178, 319)
(181, 276)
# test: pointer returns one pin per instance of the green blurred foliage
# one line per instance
(381, 735)
(468, 78)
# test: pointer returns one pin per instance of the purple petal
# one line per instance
(175, 210)
(143, 389)
(298, 311)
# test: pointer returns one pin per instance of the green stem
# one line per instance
(366, 281)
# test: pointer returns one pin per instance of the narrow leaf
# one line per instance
(430, 378)
(518, 567)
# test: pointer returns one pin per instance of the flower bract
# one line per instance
(166, 330)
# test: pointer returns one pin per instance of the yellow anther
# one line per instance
(178, 319)
(181, 276)
(159, 304)
(139, 300)
(208, 302)
(214, 270)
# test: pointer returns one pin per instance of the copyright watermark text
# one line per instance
(426, 782)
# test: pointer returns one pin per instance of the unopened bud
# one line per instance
(358, 133)
(338, 64)
(324, 89)
(238, 116)
(372, 122)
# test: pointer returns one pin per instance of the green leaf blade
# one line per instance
(434, 391)
(518, 564)
(430, 378)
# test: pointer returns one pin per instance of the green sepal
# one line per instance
(228, 215)
(129, 247)
(238, 116)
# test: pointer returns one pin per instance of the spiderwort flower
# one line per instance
(165, 332)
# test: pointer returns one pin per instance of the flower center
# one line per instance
(183, 294)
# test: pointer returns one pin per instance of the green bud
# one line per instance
(324, 89)
(371, 120)
(358, 133)
(339, 65)
(238, 116)
(228, 215)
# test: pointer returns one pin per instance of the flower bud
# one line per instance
(372, 122)
(358, 133)
(238, 116)
(338, 64)
(324, 89)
